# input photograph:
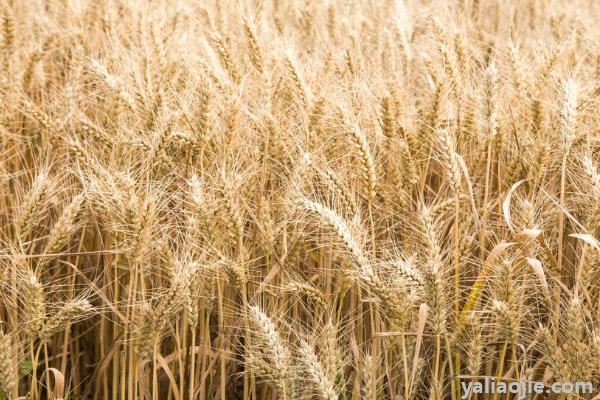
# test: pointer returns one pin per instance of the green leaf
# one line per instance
(25, 369)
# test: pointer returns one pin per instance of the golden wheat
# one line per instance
(243, 199)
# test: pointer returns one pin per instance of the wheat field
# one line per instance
(295, 199)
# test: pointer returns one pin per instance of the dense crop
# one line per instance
(297, 199)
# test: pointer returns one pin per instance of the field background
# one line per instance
(297, 199)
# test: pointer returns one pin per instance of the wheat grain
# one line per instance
(256, 200)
